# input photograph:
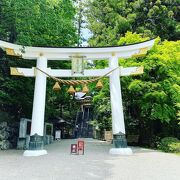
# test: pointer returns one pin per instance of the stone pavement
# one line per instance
(95, 164)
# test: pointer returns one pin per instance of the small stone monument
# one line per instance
(24, 133)
(48, 133)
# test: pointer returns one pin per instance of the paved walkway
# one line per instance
(95, 164)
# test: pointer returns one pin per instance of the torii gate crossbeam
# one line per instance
(42, 55)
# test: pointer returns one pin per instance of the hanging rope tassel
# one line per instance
(99, 85)
(85, 89)
(56, 87)
(71, 90)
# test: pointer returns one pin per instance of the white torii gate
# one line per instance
(42, 55)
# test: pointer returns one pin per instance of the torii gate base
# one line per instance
(120, 143)
(34, 152)
(121, 151)
(36, 146)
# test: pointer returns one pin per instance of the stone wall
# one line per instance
(8, 136)
(15, 135)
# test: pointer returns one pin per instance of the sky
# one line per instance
(86, 34)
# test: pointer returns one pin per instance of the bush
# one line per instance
(169, 144)
(175, 147)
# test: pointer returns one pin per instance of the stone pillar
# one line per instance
(36, 144)
(23, 140)
(22, 128)
(48, 136)
(118, 126)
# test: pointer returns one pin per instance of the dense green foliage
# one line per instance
(102, 109)
(160, 84)
(110, 20)
(38, 22)
(34, 23)
(154, 96)
(169, 144)
(151, 101)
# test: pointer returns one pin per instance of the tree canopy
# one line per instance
(110, 20)
(152, 98)
(150, 101)
(38, 22)
(33, 23)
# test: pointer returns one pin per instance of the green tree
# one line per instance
(49, 23)
(33, 23)
(151, 100)
(159, 85)
(110, 20)
(158, 17)
(107, 22)
(102, 108)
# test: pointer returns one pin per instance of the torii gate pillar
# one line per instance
(36, 144)
(118, 126)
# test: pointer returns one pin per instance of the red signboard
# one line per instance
(80, 147)
(74, 148)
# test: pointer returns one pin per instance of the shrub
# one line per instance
(169, 144)
(175, 147)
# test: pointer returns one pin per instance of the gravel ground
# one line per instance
(95, 164)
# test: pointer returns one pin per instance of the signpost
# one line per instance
(78, 148)
(74, 149)
(58, 134)
(81, 147)
(77, 65)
